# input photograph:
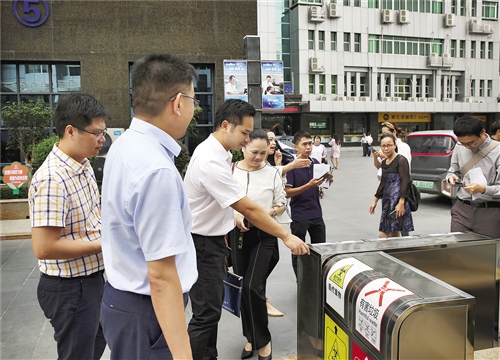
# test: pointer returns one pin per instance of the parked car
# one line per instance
(431, 157)
(285, 145)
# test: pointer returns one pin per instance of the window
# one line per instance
(425, 6)
(347, 42)
(312, 83)
(489, 10)
(472, 86)
(473, 9)
(310, 39)
(490, 50)
(453, 48)
(453, 8)
(346, 2)
(373, 4)
(321, 40)
(437, 47)
(462, 48)
(334, 84)
(437, 7)
(357, 42)
(402, 88)
(473, 49)
(357, 3)
(374, 44)
(387, 4)
(333, 41)
(489, 89)
(462, 7)
(482, 50)
(481, 88)
(322, 84)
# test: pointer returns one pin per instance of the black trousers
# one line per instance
(316, 229)
(206, 296)
(365, 149)
(252, 253)
(131, 326)
(73, 305)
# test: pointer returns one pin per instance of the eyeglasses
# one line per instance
(196, 102)
(470, 143)
(99, 134)
(387, 146)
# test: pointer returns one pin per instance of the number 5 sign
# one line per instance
(31, 13)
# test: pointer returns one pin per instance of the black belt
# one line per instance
(60, 278)
(490, 204)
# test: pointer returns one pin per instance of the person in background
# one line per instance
(302, 188)
(148, 250)
(369, 141)
(267, 85)
(212, 194)
(478, 205)
(230, 87)
(495, 130)
(65, 214)
(319, 150)
(253, 249)
(396, 214)
(335, 156)
(364, 144)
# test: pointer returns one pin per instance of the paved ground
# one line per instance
(26, 334)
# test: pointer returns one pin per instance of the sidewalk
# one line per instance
(15, 229)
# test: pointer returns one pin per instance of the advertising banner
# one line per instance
(235, 80)
(272, 85)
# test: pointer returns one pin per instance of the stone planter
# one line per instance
(14, 209)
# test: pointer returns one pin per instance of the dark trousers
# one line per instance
(316, 229)
(131, 326)
(274, 259)
(252, 253)
(365, 149)
(484, 221)
(72, 305)
(206, 296)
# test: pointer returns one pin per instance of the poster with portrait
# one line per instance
(235, 80)
(272, 85)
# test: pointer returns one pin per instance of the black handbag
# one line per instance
(412, 196)
(233, 285)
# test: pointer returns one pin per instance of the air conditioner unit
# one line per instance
(387, 16)
(396, 99)
(422, 99)
(98, 164)
(340, 98)
(322, 98)
(316, 14)
(447, 100)
(487, 29)
(475, 26)
(314, 65)
(386, 99)
(404, 17)
(468, 99)
(431, 100)
(434, 60)
(333, 10)
(412, 99)
(364, 98)
(352, 98)
(447, 60)
(449, 20)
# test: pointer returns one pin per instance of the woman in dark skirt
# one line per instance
(396, 214)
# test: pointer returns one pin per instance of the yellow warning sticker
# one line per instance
(336, 341)
(339, 276)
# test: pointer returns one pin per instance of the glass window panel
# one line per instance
(490, 50)
(321, 40)
(322, 84)
(462, 7)
(334, 84)
(66, 78)
(347, 42)
(311, 84)
(310, 41)
(8, 78)
(490, 87)
(206, 101)
(333, 41)
(453, 48)
(34, 78)
(373, 4)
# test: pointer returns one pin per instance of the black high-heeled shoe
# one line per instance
(268, 357)
(246, 354)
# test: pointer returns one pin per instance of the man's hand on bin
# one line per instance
(296, 245)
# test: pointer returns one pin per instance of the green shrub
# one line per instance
(42, 149)
(7, 194)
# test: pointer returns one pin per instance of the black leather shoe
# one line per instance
(246, 354)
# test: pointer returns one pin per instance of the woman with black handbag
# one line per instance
(252, 248)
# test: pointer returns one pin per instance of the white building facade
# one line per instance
(356, 63)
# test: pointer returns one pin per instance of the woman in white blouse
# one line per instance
(252, 248)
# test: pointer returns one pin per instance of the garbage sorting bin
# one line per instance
(377, 307)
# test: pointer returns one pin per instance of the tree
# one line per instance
(28, 123)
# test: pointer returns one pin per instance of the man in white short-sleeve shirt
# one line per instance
(213, 194)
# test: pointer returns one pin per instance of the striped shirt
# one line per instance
(64, 193)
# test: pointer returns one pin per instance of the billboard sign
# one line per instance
(235, 80)
(272, 85)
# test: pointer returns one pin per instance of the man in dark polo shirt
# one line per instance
(302, 188)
